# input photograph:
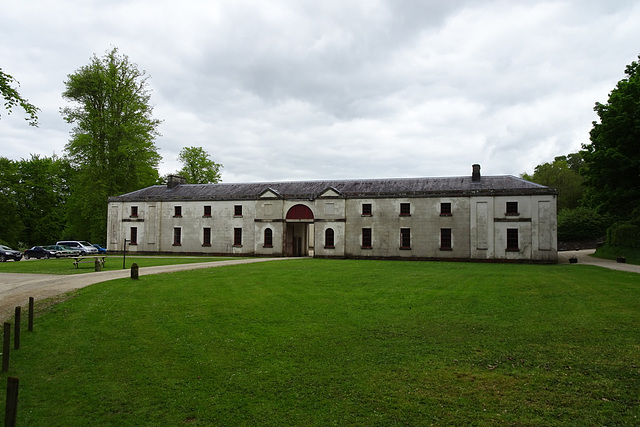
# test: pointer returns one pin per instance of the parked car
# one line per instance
(39, 252)
(63, 251)
(84, 247)
(100, 249)
(6, 253)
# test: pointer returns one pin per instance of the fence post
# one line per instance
(6, 345)
(16, 336)
(30, 314)
(11, 405)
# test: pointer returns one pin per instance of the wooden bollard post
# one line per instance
(6, 346)
(30, 314)
(134, 271)
(16, 333)
(11, 404)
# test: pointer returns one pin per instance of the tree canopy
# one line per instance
(612, 159)
(197, 166)
(33, 195)
(12, 98)
(563, 174)
(112, 144)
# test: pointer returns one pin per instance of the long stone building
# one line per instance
(470, 217)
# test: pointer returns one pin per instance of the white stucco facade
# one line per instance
(493, 218)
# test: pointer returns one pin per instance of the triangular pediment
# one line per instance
(330, 192)
(270, 193)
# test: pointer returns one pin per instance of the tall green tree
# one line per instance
(197, 166)
(43, 190)
(12, 98)
(112, 144)
(612, 159)
(11, 225)
(563, 174)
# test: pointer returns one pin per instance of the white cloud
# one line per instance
(313, 90)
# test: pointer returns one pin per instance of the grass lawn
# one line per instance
(113, 262)
(631, 255)
(339, 342)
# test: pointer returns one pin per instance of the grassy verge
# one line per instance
(631, 255)
(65, 265)
(328, 342)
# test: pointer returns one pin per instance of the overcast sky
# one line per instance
(305, 90)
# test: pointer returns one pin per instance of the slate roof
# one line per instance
(362, 188)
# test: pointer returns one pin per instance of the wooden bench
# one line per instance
(79, 260)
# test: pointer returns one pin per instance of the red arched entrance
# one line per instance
(299, 212)
(299, 232)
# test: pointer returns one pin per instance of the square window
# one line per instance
(445, 239)
(177, 211)
(512, 208)
(206, 236)
(207, 211)
(237, 237)
(237, 210)
(512, 240)
(366, 209)
(366, 238)
(134, 211)
(405, 209)
(330, 208)
(445, 209)
(405, 238)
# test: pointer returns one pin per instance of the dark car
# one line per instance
(6, 253)
(39, 252)
(63, 251)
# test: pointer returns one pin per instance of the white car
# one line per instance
(84, 247)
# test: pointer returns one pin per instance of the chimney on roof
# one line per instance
(475, 175)
(175, 180)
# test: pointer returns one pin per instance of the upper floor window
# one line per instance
(207, 211)
(330, 208)
(329, 242)
(134, 211)
(405, 209)
(512, 208)
(445, 209)
(366, 209)
(405, 238)
(177, 211)
(268, 238)
(237, 210)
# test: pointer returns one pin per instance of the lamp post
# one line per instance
(124, 253)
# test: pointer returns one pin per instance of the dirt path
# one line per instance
(16, 288)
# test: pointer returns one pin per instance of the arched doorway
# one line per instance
(299, 231)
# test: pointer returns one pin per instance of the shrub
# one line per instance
(581, 224)
(624, 235)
